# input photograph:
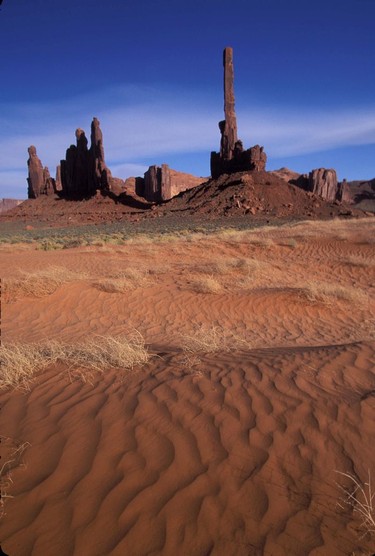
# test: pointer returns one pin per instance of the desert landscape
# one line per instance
(190, 392)
(186, 361)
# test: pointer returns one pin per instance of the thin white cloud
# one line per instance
(286, 133)
(128, 169)
(142, 124)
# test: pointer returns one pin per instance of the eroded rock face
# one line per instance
(323, 182)
(49, 185)
(101, 174)
(35, 178)
(157, 183)
(343, 193)
(39, 179)
(84, 171)
(232, 156)
(161, 183)
(58, 178)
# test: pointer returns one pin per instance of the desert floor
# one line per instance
(258, 390)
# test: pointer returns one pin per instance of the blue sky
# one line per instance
(151, 71)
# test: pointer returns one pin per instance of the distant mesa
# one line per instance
(8, 204)
(232, 156)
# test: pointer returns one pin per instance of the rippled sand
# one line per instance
(228, 452)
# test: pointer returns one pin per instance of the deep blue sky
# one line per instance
(151, 71)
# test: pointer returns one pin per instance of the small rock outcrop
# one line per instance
(157, 185)
(343, 193)
(39, 179)
(232, 156)
(84, 171)
(161, 183)
(323, 182)
(58, 178)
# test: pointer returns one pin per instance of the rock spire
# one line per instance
(39, 180)
(232, 156)
(228, 127)
(84, 171)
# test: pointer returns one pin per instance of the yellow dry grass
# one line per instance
(39, 283)
(205, 284)
(19, 363)
(207, 338)
(124, 280)
(13, 459)
(359, 496)
(328, 293)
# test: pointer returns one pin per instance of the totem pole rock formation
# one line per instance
(232, 156)
(228, 127)
(84, 171)
(39, 179)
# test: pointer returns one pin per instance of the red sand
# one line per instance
(232, 455)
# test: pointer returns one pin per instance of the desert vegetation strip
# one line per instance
(171, 229)
(19, 363)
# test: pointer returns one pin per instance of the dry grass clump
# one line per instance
(12, 458)
(20, 362)
(114, 285)
(124, 280)
(258, 238)
(39, 283)
(251, 266)
(315, 291)
(357, 260)
(360, 497)
(205, 339)
(211, 339)
(288, 242)
(104, 352)
(206, 284)
(221, 266)
(231, 275)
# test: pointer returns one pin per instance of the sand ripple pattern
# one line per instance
(236, 458)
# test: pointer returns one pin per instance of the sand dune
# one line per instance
(232, 452)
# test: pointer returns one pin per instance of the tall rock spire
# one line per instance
(39, 179)
(228, 127)
(232, 156)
